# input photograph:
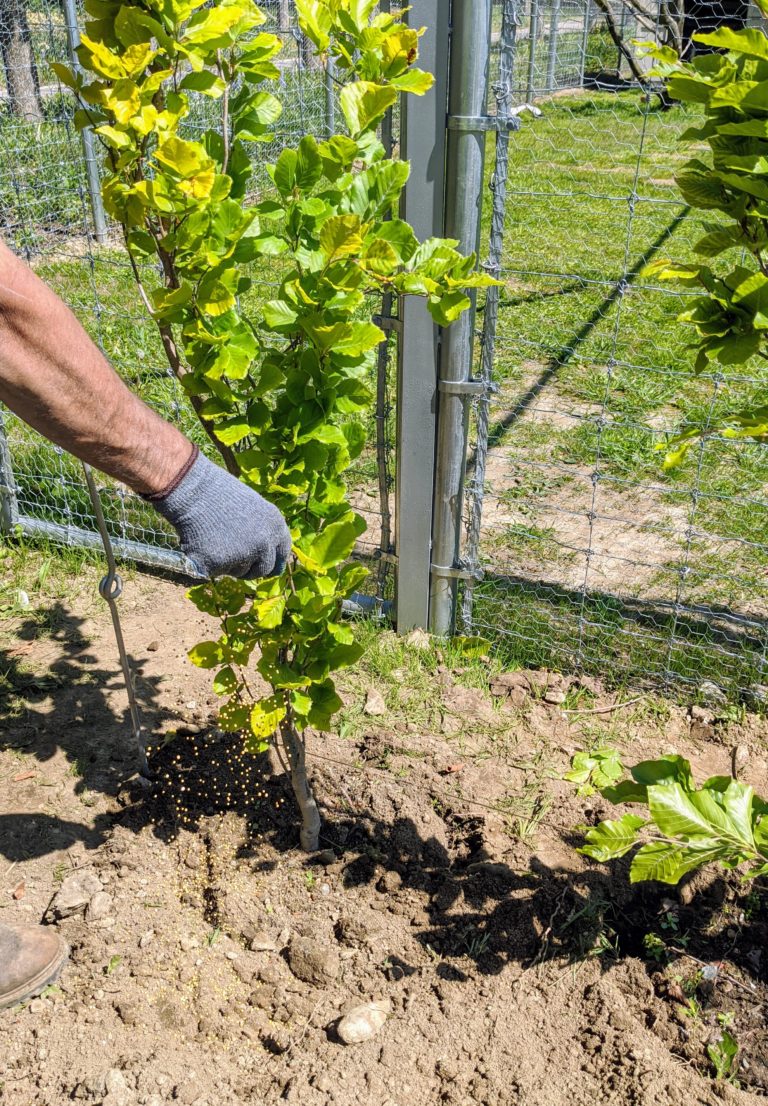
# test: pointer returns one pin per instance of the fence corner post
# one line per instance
(423, 141)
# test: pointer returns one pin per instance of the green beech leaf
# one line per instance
(364, 103)
(336, 541)
(266, 716)
(233, 716)
(225, 681)
(612, 839)
(208, 654)
(309, 164)
(668, 863)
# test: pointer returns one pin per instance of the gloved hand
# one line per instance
(225, 528)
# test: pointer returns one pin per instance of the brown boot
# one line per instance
(31, 957)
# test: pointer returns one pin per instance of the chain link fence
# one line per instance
(592, 557)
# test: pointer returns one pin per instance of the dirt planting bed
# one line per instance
(212, 961)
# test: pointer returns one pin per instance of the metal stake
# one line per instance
(465, 185)
(533, 38)
(89, 144)
(110, 589)
(554, 31)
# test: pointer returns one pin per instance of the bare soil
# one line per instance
(218, 968)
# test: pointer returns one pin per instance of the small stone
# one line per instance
(146, 938)
(326, 857)
(740, 758)
(419, 639)
(313, 962)
(262, 942)
(374, 703)
(322, 1082)
(447, 1071)
(555, 696)
(363, 1022)
(99, 907)
(114, 1081)
(153, 646)
(39, 1006)
(390, 881)
(710, 692)
(700, 714)
(189, 943)
(75, 893)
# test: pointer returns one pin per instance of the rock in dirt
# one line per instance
(153, 646)
(555, 696)
(99, 907)
(312, 962)
(711, 693)
(740, 759)
(75, 894)
(374, 703)
(259, 941)
(419, 639)
(363, 1022)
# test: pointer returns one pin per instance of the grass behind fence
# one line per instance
(596, 556)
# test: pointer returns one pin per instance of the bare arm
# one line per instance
(55, 378)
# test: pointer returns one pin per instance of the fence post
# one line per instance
(9, 508)
(465, 187)
(89, 147)
(584, 43)
(533, 36)
(554, 32)
(422, 141)
(330, 95)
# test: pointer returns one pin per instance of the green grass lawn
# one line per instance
(593, 371)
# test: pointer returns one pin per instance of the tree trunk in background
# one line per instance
(19, 61)
(284, 14)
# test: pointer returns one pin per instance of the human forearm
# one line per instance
(54, 377)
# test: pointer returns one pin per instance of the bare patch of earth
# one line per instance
(221, 960)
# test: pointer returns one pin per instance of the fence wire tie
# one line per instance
(473, 123)
(457, 572)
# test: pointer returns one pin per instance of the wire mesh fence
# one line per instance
(47, 215)
(590, 555)
(593, 556)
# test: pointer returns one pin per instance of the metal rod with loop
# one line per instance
(110, 590)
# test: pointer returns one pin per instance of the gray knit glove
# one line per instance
(225, 528)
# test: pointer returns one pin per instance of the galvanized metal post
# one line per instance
(422, 143)
(465, 187)
(554, 32)
(330, 95)
(584, 43)
(89, 143)
(533, 38)
(9, 508)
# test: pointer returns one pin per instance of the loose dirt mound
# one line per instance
(214, 962)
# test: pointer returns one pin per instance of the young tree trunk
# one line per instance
(297, 760)
(19, 62)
